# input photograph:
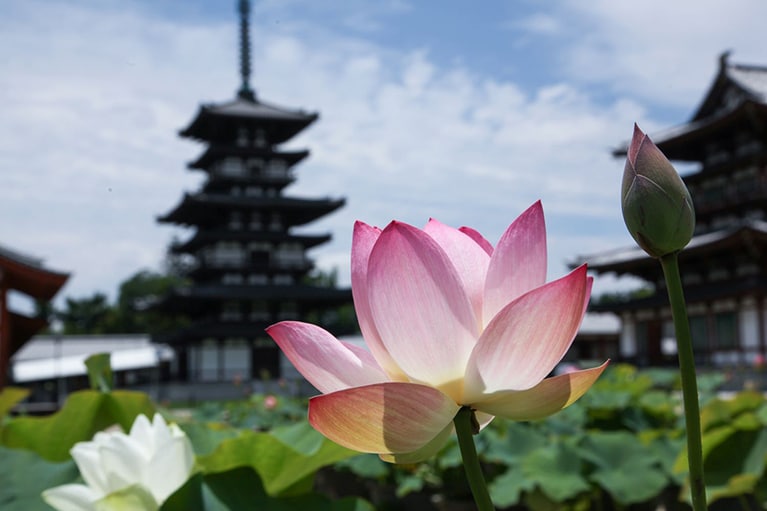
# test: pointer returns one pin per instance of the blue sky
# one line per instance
(463, 111)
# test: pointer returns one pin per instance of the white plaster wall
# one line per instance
(748, 320)
(628, 344)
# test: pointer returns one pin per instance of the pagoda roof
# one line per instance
(208, 329)
(688, 142)
(737, 94)
(183, 299)
(216, 330)
(209, 209)
(27, 274)
(219, 122)
(706, 292)
(733, 84)
(219, 184)
(217, 151)
(206, 237)
(635, 261)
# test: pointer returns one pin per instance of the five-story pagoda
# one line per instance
(246, 267)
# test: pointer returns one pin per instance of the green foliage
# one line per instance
(88, 315)
(242, 488)
(620, 447)
(137, 296)
(734, 447)
(24, 475)
(10, 397)
(131, 313)
(623, 466)
(84, 413)
(616, 447)
(285, 459)
(623, 296)
(236, 468)
(100, 372)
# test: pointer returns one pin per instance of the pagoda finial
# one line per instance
(723, 59)
(245, 91)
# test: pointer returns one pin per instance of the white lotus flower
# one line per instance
(126, 472)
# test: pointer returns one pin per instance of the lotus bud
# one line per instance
(657, 206)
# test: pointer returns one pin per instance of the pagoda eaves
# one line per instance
(212, 209)
(19, 272)
(214, 123)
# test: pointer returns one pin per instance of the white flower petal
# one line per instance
(71, 497)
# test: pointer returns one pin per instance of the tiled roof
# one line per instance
(630, 254)
(751, 78)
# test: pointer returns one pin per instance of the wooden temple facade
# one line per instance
(246, 267)
(26, 275)
(724, 268)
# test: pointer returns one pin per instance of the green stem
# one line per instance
(465, 428)
(670, 265)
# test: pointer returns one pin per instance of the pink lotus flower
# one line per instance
(449, 321)
(270, 402)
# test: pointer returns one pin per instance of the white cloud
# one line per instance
(663, 52)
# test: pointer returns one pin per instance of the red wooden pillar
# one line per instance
(5, 333)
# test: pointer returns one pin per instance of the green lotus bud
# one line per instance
(657, 206)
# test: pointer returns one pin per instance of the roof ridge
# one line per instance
(747, 67)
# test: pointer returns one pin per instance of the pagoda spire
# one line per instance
(245, 91)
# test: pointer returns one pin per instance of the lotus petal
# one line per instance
(391, 417)
(478, 239)
(528, 337)
(468, 258)
(323, 360)
(419, 305)
(363, 240)
(425, 452)
(71, 497)
(546, 398)
(518, 263)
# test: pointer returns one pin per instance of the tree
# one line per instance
(137, 296)
(90, 315)
(132, 312)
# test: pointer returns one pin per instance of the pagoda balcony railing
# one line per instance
(733, 195)
(273, 263)
(270, 171)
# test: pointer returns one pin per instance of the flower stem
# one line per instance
(465, 428)
(670, 264)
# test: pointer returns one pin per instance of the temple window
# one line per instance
(232, 167)
(726, 330)
(242, 137)
(699, 332)
(276, 168)
(235, 220)
(231, 311)
(257, 279)
(276, 222)
(228, 253)
(259, 138)
(259, 311)
(283, 279)
(231, 278)
(256, 222)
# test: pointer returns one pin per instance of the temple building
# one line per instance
(246, 265)
(724, 268)
(20, 273)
